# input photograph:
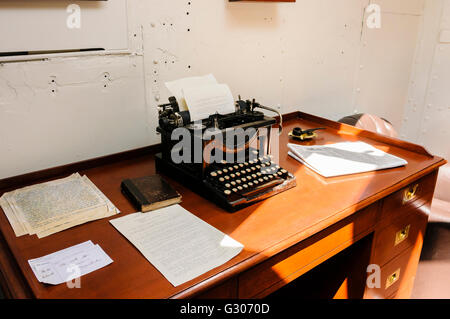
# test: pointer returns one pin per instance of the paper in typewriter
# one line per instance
(202, 96)
(176, 87)
(50, 207)
(179, 244)
(206, 100)
(344, 158)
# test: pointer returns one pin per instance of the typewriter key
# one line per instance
(238, 174)
(232, 175)
(227, 177)
(240, 188)
(227, 192)
(222, 179)
(230, 169)
(238, 181)
(255, 182)
(258, 174)
(213, 174)
(225, 170)
(248, 170)
(245, 186)
(261, 180)
(266, 178)
(250, 184)
(241, 165)
(234, 190)
(236, 167)
(233, 183)
(253, 168)
(284, 171)
(244, 179)
(227, 185)
(219, 172)
(254, 175)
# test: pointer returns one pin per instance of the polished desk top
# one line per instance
(265, 229)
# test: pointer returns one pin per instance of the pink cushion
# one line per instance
(440, 211)
(443, 184)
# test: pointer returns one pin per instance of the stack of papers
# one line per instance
(50, 207)
(70, 263)
(202, 96)
(343, 158)
(180, 245)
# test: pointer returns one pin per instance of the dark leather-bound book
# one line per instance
(150, 192)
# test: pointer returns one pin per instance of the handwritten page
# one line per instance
(70, 263)
(176, 87)
(343, 158)
(179, 244)
(205, 100)
(46, 208)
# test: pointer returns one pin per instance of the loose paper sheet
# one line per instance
(344, 158)
(179, 244)
(176, 87)
(70, 263)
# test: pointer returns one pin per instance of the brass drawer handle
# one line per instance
(410, 193)
(392, 278)
(401, 235)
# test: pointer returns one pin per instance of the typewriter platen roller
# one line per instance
(243, 174)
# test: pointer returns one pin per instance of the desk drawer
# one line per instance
(402, 233)
(288, 265)
(405, 291)
(397, 275)
(414, 195)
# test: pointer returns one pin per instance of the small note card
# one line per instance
(70, 263)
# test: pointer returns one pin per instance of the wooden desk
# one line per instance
(284, 236)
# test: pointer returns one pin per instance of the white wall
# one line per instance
(40, 25)
(316, 56)
(427, 111)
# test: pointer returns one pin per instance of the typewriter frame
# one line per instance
(194, 174)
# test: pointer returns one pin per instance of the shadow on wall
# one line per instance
(252, 15)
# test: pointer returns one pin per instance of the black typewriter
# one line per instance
(225, 158)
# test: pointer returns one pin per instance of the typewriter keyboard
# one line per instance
(246, 179)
